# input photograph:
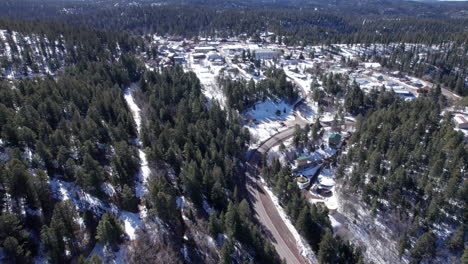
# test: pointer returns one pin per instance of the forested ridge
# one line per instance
(76, 128)
(408, 164)
(296, 27)
(299, 24)
(30, 48)
(205, 147)
(70, 152)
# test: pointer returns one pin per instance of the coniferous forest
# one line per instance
(111, 149)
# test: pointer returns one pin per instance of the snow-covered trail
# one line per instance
(144, 172)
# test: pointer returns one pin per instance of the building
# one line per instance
(212, 56)
(325, 183)
(334, 140)
(461, 122)
(266, 54)
(302, 182)
(198, 56)
(179, 59)
(204, 50)
(405, 94)
(301, 161)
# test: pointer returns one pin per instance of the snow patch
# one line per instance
(132, 222)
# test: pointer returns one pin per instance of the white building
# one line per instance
(324, 182)
(212, 56)
(266, 54)
(204, 49)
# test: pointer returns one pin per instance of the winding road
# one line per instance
(265, 210)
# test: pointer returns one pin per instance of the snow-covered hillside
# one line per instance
(29, 54)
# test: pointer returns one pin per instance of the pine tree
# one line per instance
(109, 229)
(456, 242)
(226, 252)
(425, 247)
(14, 239)
(213, 225)
(128, 199)
(403, 245)
(464, 257)
(327, 249)
(63, 233)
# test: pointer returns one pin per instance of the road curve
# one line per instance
(265, 210)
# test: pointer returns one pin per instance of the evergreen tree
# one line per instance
(109, 229)
(425, 247)
(327, 249)
(14, 239)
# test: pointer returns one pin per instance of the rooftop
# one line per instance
(335, 136)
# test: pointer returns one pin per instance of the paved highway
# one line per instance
(265, 210)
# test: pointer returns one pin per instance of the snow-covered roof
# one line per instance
(460, 119)
(325, 181)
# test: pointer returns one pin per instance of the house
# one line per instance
(334, 140)
(404, 94)
(301, 161)
(302, 182)
(198, 56)
(204, 50)
(324, 182)
(372, 65)
(461, 122)
(266, 54)
(179, 59)
(212, 56)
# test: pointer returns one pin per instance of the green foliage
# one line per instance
(412, 159)
(327, 253)
(15, 239)
(425, 247)
(457, 241)
(226, 252)
(161, 201)
(242, 95)
(128, 199)
(464, 257)
(214, 227)
(109, 229)
(63, 234)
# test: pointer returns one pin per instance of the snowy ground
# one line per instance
(144, 173)
(207, 74)
(82, 200)
(107, 255)
(269, 123)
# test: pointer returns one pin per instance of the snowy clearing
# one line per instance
(264, 121)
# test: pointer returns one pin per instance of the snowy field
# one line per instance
(207, 74)
(264, 119)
